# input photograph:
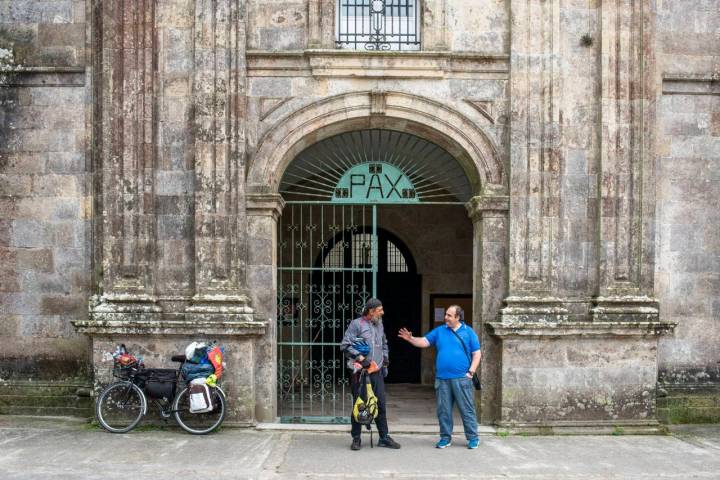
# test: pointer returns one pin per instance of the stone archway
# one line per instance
(404, 112)
(431, 120)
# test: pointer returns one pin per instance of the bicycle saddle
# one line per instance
(178, 358)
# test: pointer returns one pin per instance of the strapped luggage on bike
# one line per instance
(158, 383)
(122, 404)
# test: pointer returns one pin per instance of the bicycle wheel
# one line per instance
(120, 407)
(199, 423)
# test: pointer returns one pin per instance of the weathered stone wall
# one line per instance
(688, 230)
(45, 204)
(44, 190)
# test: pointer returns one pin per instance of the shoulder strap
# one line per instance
(463, 344)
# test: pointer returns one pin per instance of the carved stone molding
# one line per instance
(127, 145)
(691, 84)
(554, 329)
(269, 105)
(359, 64)
(527, 309)
(265, 205)
(484, 205)
(485, 107)
(377, 102)
(626, 309)
(212, 328)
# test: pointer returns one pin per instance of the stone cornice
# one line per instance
(691, 84)
(580, 329)
(43, 76)
(352, 63)
(241, 325)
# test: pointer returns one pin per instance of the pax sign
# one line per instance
(375, 182)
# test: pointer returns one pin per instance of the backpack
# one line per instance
(365, 408)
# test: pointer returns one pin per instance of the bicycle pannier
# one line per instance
(200, 397)
(159, 382)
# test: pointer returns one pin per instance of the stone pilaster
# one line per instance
(219, 121)
(263, 212)
(535, 158)
(128, 151)
(627, 185)
(434, 25)
(321, 24)
(489, 216)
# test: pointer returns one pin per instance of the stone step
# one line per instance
(46, 400)
(30, 388)
(68, 398)
(47, 411)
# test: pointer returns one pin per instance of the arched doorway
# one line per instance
(343, 238)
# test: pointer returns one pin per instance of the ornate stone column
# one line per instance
(126, 142)
(219, 108)
(263, 211)
(490, 233)
(627, 176)
(535, 159)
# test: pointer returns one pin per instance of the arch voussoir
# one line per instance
(400, 111)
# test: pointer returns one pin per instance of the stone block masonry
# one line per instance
(45, 214)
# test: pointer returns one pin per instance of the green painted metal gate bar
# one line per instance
(327, 269)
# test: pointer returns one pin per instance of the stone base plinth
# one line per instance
(579, 373)
(157, 340)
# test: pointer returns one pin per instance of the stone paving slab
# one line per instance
(53, 449)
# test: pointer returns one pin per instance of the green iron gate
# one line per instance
(328, 254)
(327, 271)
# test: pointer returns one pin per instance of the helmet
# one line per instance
(363, 416)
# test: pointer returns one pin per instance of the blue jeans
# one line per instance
(452, 391)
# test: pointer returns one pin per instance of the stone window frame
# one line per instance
(433, 26)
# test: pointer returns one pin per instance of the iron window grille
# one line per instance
(378, 25)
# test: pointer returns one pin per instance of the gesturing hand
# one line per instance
(405, 334)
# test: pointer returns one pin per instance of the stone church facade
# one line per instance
(144, 145)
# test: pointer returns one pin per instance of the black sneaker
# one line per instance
(388, 442)
(355, 444)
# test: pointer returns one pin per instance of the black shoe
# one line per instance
(388, 442)
(355, 444)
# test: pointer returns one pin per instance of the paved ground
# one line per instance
(62, 449)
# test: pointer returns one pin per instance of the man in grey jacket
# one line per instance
(369, 328)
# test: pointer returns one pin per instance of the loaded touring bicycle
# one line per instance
(189, 393)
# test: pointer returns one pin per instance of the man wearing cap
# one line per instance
(368, 330)
(458, 357)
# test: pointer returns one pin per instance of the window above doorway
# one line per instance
(378, 25)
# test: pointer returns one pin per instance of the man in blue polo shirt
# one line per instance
(454, 369)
